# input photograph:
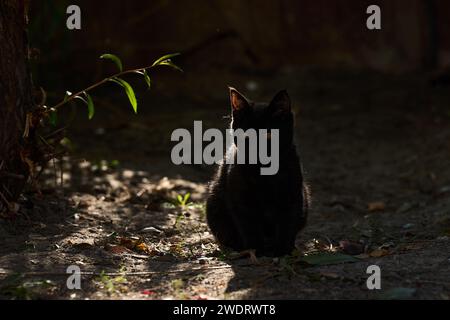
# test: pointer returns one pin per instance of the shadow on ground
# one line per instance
(375, 152)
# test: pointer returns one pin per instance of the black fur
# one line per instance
(247, 210)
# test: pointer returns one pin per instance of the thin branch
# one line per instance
(54, 133)
(5, 200)
(4, 174)
(95, 85)
(112, 274)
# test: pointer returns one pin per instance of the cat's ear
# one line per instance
(238, 101)
(281, 102)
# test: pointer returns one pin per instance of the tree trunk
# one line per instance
(16, 100)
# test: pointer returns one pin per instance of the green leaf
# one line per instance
(170, 64)
(90, 105)
(67, 143)
(81, 98)
(53, 118)
(165, 58)
(128, 90)
(147, 79)
(327, 258)
(114, 163)
(113, 58)
(180, 199)
(397, 294)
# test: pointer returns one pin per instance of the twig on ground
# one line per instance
(111, 274)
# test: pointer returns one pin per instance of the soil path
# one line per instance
(376, 155)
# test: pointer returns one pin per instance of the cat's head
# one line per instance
(276, 114)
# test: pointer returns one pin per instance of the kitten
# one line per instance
(247, 210)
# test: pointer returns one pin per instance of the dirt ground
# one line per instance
(375, 149)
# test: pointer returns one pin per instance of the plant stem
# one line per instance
(95, 85)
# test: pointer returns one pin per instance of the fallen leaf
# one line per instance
(116, 249)
(376, 206)
(126, 242)
(147, 292)
(350, 247)
(143, 247)
(377, 253)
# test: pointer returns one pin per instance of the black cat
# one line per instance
(247, 210)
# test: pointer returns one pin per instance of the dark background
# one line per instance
(321, 51)
(249, 35)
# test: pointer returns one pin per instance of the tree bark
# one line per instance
(16, 100)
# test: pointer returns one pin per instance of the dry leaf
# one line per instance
(116, 249)
(148, 292)
(376, 206)
(143, 247)
(379, 253)
(350, 247)
(128, 243)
